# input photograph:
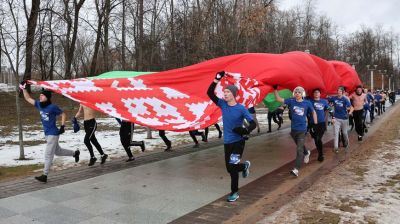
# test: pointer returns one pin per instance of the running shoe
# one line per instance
(233, 197)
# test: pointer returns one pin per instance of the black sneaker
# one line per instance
(203, 137)
(92, 161)
(130, 159)
(142, 146)
(360, 138)
(42, 178)
(321, 158)
(103, 158)
(76, 155)
(168, 147)
(196, 145)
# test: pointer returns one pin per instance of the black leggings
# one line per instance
(233, 168)
(90, 127)
(358, 121)
(195, 133)
(125, 134)
(276, 116)
(167, 142)
(217, 127)
(319, 131)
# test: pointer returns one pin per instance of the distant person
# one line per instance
(378, 102)
(233, 116)
(299, 109)
(392, 97)
(371, 100)
(90, 126)
(48, 116)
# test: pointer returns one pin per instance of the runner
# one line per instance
(340, 118)
(378, 100)
(48, 116)
(90, 126)
(321, 108)
(125, 134)
(299, 110)
(358, 100)
(233, 115)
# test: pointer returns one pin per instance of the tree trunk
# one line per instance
(30, 38)
(71, 47)
(93, 65)
(106, 52)
(139, 59)
(124, 67)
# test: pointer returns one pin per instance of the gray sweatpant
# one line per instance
(299, 138)
(53, 148)
(344, 125)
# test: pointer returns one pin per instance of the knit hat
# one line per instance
(47, 93)
(233, 89)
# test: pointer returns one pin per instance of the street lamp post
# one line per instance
(372, 75)
(383, 81)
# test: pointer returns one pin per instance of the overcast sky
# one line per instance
(349, 15)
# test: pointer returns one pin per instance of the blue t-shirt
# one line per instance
(370, 97)
(320, 106)
(48, 116)
(378, 97)
(341, 104)
(232, 117)
(299, 111)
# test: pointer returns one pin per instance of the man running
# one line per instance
(321, 108)
(233, 115)
(48, 116)
(340, 117)
(358, 99)
(90, 126)
(299, 109)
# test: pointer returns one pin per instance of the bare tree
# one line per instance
(12, 38)
(72, 32)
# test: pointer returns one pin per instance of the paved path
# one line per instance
(159, 188)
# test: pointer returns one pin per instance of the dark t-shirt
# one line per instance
(48, 116)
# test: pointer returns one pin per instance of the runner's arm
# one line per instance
(28, 97)
(79, 111)
(210, 91)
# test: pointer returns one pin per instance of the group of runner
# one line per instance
(311, 114)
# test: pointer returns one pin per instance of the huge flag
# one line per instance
(177, 99)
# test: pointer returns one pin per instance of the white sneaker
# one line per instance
(307, 157)
(295, 172)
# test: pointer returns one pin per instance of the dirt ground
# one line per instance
(365, 188)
